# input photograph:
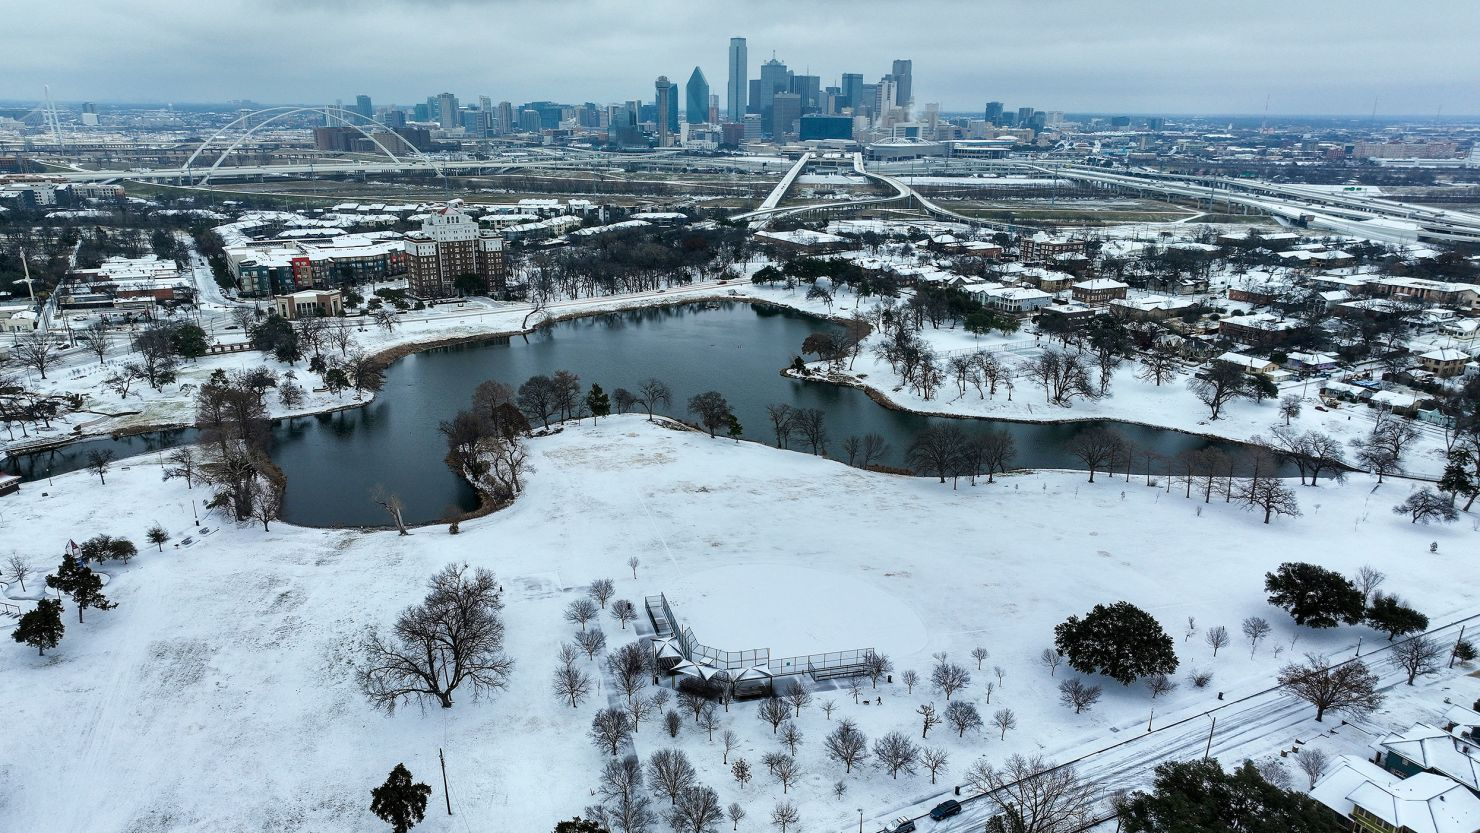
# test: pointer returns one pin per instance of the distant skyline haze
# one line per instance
(1313, 58)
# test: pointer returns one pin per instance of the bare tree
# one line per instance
(620, 778)
(784, 815)
(638, 709)
(1191, 629)
(709, 719)
(99, 461)
(896, 753)
(183, 463)
(580, 611)
(979, 653)
(1096, 448)
(1419, 655)
(812, 424)
(1368, 580)
(571, 684)
(1255, 629)
(1350, 687)
(1220, 384)
(999, 672)
(846, 744)
(934, 759)
(1270, 494)
(791, 736)
(910, 680)
(876, 665)
(568, 655)
(628, 667)
(609, 729)
(1004, 719)
(37, 351)
(672, 722)
(591, 642)
(19, 569)
(929, 719)
(670, 772)
(601, 590)
(1050, 659)
(650, 394)
(1159, 684)
(786, 772)
(783, 420)
(798, 696)
(828, 707)
(94, 338)
(1313, 763)
(1073, 692)
(1063, 376)
(731, 742)
(772, 711)
(1033, 795)
(741, 770)
(855, 688)
(963, 717)
(1216, 637)
(736, 814)
(633, 562)
(624, 611)
(392, 505)
(1290, 406)
(454, 637)
(949, 677)
(697, 810)
(1274, 772)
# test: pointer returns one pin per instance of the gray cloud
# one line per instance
(1193, 56)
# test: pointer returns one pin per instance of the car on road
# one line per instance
(903, 824)
(945, 809)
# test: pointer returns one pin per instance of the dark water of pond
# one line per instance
(334, 461)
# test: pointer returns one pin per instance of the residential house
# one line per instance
(1376, 801)
(1016, 300)
(1444, 362)
(1425, 748)
(322, 302)
(1252, 365)
(1310, 362)
(1152, 307)
(1261, 329)
(1098, 291)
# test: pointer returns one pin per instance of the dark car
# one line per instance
(946, 809)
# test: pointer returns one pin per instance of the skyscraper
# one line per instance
(994, 112)
(786, 110)
(808, 87)
(447, 110)
(663, 102)
(853, 91)
(506, 117)
(362, 106)
(696, 98)
(736, 91)
(903, 82)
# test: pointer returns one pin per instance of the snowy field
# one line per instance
(217, 696)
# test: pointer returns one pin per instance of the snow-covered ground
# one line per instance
(1169, 405)
(217, 696)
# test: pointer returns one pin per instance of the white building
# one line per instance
(1375, 799)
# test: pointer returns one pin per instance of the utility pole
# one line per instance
(445, 794)
(1208, 753)
(1455, 651)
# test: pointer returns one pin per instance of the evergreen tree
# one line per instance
(399, 802)
(1199, 797)
(598, 402)
(1457, 479)
(81, 583)
(1120, 641)
(1389, 615)
(42, 627)
(1314, 596)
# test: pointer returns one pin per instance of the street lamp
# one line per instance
(860, 820)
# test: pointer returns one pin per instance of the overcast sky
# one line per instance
(1150, 56)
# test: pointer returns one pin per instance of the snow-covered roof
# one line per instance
(1445, 354)
(1101, 283)
(1245, 361)
(802, 237)
(1424, 803)
(1433, 748)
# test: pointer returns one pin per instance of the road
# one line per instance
(1256, 724)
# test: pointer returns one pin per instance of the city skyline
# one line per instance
(1290, 57)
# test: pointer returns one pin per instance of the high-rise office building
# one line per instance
(696, 98)
(1024, 115)
(506, 117)
(421, 112)
(786, 110)
(485, 104)
(447, 110)
(738, 79)
(994, 112)
(903, 73)
(394, 118)
(529, 121)
(363, 107)
(775, 78)
(808, 87)
(714, 108)
(662, 102)
(853, 91)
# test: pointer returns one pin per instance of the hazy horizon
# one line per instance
(1072, 57)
